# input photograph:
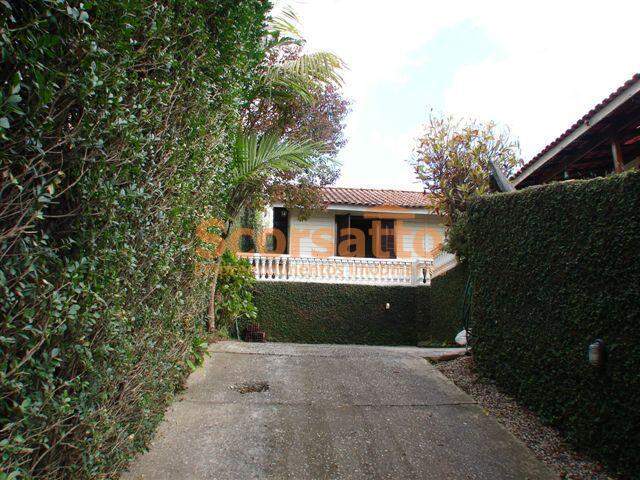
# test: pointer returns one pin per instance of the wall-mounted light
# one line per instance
(597, 353)
(387, 306)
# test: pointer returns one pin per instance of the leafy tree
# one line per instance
(321, 121)
(452, 160)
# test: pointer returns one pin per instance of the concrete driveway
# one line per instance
(330, 412)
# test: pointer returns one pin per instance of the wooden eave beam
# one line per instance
(618, 160)
(589, 124)
(614, 127)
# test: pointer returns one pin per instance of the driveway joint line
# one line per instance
(334, 405)
(268, 354)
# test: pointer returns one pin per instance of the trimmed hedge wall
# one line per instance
(447, 297)
(355, 314)
(332, 313)
(556, 267)
(116, 120)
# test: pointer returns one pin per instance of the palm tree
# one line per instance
(254, 159)
(297, 76)
(257, 157)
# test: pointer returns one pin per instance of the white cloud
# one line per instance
(553, 61)
(377, 39)
(558, 60)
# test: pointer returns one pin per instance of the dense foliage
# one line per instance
(554, 268)
(114, 125)
(334, 313)
(447, 298)
(457, 240)
(452, 158)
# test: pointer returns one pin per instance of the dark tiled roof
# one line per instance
(582, 120)
(376, 197)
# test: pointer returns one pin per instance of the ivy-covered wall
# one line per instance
(336, 313)
(356, 314)
(554, 268)
(447, 298)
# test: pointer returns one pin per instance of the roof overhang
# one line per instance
(382, 209)
(388, 209)
(580, 130)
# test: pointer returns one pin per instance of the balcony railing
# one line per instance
(364, 271)
(442, 263)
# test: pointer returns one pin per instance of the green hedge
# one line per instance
(554, 268)
(114, 125)
(356, 314)
(447, 298)
(348, 314)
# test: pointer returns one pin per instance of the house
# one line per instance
(366, 236)
(605, 140)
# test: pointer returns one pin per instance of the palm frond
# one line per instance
(316, 67)
(255, 156)
(286, 24)
(280, 41)
(302, 75)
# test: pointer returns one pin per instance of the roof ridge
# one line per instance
(374, 189)
(376, 197)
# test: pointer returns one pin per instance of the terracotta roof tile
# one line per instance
(376, 197)
(582, 120)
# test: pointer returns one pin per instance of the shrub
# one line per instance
(114, 119)
(452, 158)
(554, 268)
(457, 241)
(235, 299)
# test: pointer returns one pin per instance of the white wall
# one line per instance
(419, 237)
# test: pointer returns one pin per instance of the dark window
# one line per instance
(361, 232)
(280, 223)
(342, 224)
(387, 238)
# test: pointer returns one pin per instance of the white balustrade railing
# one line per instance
(443, 262)
(367, 271)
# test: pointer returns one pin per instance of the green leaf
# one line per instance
(4, 122)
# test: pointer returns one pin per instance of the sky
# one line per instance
(533, 67)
